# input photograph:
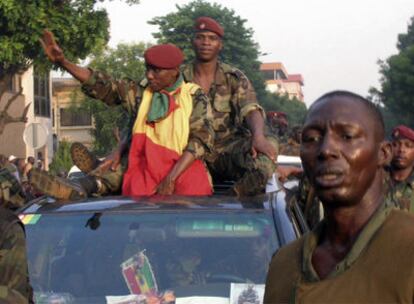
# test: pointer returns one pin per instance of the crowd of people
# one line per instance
(194, 123)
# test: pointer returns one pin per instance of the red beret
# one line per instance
(272, 114)
(164, 56)
(402, 131)
(208, 24)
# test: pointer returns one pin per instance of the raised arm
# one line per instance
(56, 55)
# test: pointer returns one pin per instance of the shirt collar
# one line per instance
(312, 239)
(220, 78)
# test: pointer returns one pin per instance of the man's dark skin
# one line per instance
(207, 46)
(343, 155)
(402, 163)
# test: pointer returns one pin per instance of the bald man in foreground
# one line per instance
(362, 252)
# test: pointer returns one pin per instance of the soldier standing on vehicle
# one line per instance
(171, 133)
(242, 151)
(402, 167)
(14, 276)
(362, 252)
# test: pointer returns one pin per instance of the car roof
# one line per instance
(166, 203)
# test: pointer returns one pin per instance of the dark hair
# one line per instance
(371, 107)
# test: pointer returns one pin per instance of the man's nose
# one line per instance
(328, 147)
(149, 74)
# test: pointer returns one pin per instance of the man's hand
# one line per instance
(51, 48)
(166, 187)
(111, 162)
(284, 172)
(261, 145)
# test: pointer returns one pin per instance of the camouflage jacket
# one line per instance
(232, 98)
(11, 192)
(14, 278)
(128, 93)
(403, 193)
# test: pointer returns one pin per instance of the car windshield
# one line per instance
(86, 258)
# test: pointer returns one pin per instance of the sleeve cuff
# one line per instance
(249, 108)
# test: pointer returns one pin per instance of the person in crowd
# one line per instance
(12, 195)
(362, 252)
(14, 279)
(171, 131)
(402, 167)
(28, 166)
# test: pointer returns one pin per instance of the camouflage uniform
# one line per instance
(11, 192)
(128, 93)
(232, 98)
(402, 193)
(14, 277)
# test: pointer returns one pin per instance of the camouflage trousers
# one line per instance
(110, 182)
(236, 163)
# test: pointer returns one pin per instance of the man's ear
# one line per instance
(384, 154)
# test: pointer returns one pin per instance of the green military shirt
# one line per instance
(232, 98)
(403, 193)
(14, 277)
(128, 93)
(379, 268)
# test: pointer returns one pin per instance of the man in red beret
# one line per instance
(402, 167)
(242, 151)
(172, 128)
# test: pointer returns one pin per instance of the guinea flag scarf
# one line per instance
(158, 144)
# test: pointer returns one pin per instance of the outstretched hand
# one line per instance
(51, 48)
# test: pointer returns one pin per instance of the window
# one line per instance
(41, 94)
(70, 117)
(268, 75)
(10, 84)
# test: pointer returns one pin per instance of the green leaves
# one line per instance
(79, 28)
(397, 82)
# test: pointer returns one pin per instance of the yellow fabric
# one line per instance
(173, 131)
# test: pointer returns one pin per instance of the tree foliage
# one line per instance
(80, 27)
(294, 108)
(126, 60)
(62, 161)
(396, 93)
(239, 49)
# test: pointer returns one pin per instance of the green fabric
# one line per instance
(160, 102)
(312, 240)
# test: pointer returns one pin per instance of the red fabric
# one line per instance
(164, 56)
(208, 24)
(149, 163)
(402, 131)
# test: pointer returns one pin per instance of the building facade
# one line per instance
(278, 80)
(36, 88)
(68, 124)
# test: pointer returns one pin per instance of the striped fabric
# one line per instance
(156, 147)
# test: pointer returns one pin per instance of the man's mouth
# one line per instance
(329, 177)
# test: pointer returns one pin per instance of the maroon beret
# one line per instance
(208, 24)
(402, 131)
(164, 56)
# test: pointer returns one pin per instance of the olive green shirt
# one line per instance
(232, 98)
(128, 93)
(379, 268)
